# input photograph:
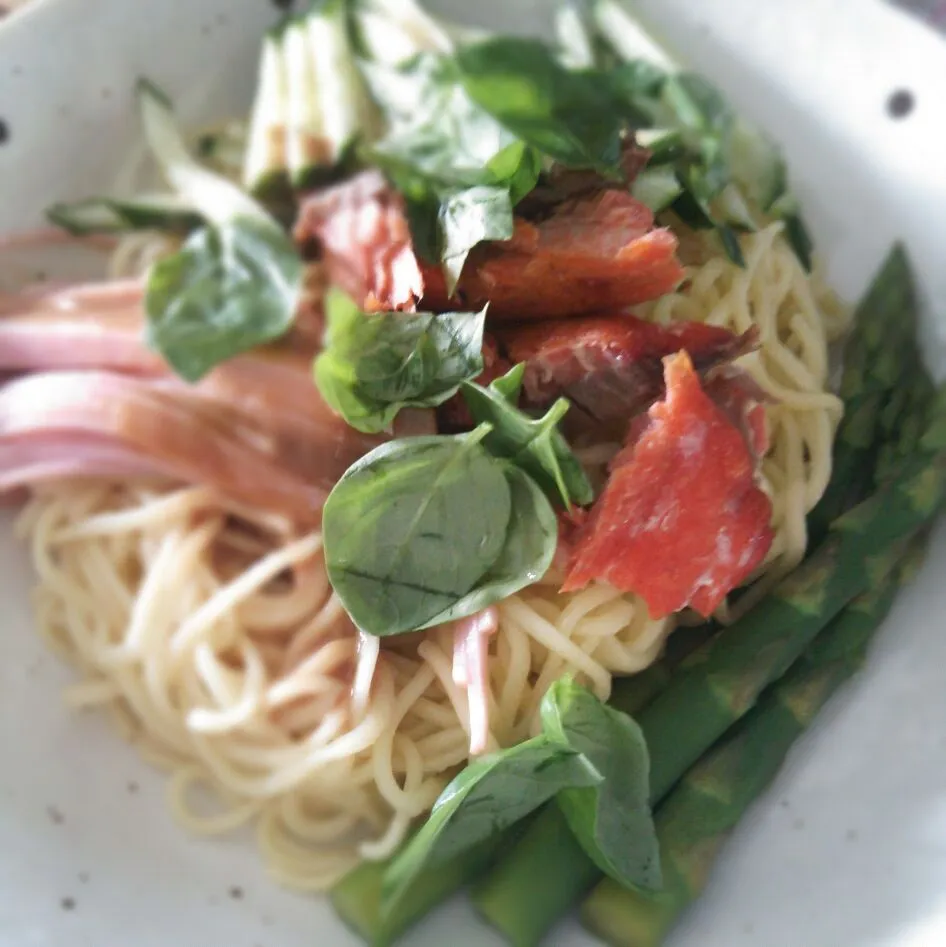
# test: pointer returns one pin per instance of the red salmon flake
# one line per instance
(681, 521)
(590, 255)
(612, 366)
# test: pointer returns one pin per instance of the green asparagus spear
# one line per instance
(901, 428)
(569, 871)
(699, 814)
(357, 897)
(724, 678)
(631, 694)
(881, 342)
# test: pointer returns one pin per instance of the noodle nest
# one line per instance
(211, 634)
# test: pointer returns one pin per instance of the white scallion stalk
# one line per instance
(628, 37)
(265, 158)
(394, 30)
(656, 187)
(346, 110)
(305, 140)
(214, 197)
(572, 35)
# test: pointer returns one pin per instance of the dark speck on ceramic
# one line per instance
(901, 103)
(4, 132)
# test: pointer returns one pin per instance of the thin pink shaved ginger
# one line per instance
(470, 670)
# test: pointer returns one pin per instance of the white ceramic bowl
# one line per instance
(849, 847)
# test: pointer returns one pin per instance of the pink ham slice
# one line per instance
(65, 423)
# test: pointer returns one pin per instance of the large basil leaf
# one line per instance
(534, 444)
(567, 115)
(490, 795)
(612, 820)
(229, 289)
(374, 364)
(412, 527)
(531, 539)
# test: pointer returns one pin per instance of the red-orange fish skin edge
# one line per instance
(681, 521)
(618, 353)
(591, 255)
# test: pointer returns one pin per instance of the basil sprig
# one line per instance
(590, 758)
(459, 170)
(426, 530)
(717, 158)
(534, 444)
(375, 364)
(468, 133)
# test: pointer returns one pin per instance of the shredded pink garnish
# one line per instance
(470, 642)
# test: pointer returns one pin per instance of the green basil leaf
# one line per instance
(567, 115)
(412, 527)
(490, 795)
(468, 217)
(518, 167)
(435, 129)
(374, 364)
(531, 540)
(611, 820)
(534, 444)
(459, 170)
(230, 288)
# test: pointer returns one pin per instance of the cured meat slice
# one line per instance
(611, 366)
(681, 521)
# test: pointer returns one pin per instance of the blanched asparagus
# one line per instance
(699, 814)
(882, 343)
(567, 871)
(357, 897)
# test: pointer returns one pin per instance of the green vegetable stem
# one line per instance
(882, 344)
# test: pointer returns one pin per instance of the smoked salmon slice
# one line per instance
(681, 521)
(593, 254)
(596, 252)
(611, 367)
(360, 229)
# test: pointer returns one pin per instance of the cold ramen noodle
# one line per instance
(417, 412)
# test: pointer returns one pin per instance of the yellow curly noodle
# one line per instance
(211, 634)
